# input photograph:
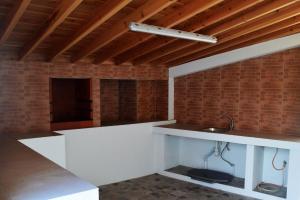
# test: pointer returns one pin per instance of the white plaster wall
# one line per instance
(192, 152)
(237, 55)
(107, 155)
(52, 148)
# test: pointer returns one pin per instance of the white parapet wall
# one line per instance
(105, 155)
(52, 148)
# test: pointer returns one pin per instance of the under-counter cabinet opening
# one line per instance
(262, 168)
(225, 160)
(270, 171)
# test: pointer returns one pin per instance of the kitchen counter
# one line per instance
(181, 143)
(191, 127)
(25, 174)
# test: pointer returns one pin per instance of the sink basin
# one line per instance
(215, 130)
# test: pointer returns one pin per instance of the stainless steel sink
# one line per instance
(215, 130)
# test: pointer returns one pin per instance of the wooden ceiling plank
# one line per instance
(12, 19)
(147, 10)
(277, 16)
(65, 8)
(103, 13)
(230, 9)
(245, 38)
(227, 10)
(282, 33)
(182, 14)
(278, 34)
(180, 46)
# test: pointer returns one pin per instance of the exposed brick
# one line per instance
(24, 89)
(262, 94)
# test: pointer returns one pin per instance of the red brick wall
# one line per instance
(24, 89)
(146, 104)
(161, 100)
(141, 100)
(128, 101)
(109, 90)
(262, 94)
(152, 100)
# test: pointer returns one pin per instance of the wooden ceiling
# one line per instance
(97, 30)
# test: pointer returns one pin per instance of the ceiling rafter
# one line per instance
(65, 8)
(225, 11)
(147, 10)
(278, 34)
(283, 25)
(277, 16)
(180, 46)
(182, 14)
(12, 19)
(233, 22)
(103, 13)
(229, 9)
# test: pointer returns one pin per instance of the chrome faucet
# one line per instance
(231, 120)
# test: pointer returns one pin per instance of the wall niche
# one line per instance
(132, 101)
(70, 103)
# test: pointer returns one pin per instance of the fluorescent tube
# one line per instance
(144, 28)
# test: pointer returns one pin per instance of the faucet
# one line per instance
(230, 119)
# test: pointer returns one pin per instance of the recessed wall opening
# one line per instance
(118, 101)
(132, 101)
(70, 103)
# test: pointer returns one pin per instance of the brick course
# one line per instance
(262, 94)
(24, 89)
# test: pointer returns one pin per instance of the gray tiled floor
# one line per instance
(161, 187)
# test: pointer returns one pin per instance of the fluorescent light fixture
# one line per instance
(144, 28)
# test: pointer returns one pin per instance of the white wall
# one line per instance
(193, 151)
(52, 148)
(237, 55)
(106, 155)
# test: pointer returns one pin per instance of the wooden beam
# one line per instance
(283, 25)
(223, 11)
(147, 10)
(65, 8)
(180, 46)
(277, 16)
(183, 13)
(252, 51)
(102, 14)
(12, 19)
(279, 34)
(229, 9)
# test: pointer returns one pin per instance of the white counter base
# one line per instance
(253, 159)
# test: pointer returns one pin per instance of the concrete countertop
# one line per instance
(282, 137)
(25, 174)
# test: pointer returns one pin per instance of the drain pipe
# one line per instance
(215, 151)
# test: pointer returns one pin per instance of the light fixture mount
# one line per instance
(145, 28)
